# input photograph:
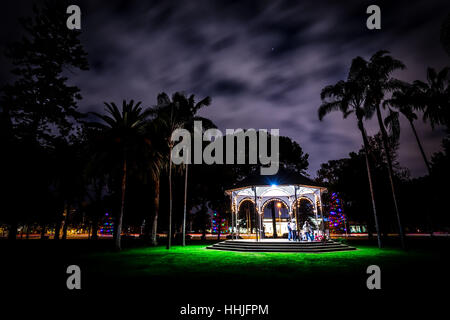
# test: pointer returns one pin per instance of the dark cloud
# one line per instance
(228, 87)
(263, 62)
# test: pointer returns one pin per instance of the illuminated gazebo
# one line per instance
(287, 189)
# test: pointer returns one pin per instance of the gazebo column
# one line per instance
(321, 212)
(261, 222)
(236, 222)
(295, 213)
(257, 220)
(233, 220)
(236, 212)
(315, 211)
(315, 206)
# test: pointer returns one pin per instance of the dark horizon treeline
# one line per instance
(60, 166)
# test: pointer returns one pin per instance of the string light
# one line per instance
(218, 225)
(336, 219)
(108, 225)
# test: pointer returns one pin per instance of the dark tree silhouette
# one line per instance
(40, 100)
(38, 110)
(378, 79)
(178, 112)
(124, 135)
(445, 34)
(434, 97)
(405, 101)
(350, 97)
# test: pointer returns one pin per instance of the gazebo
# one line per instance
(287, 188)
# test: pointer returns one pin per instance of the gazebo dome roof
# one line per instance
(284, 177)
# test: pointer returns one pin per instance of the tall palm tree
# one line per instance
(379, 81)
(157, 163)
(123, 131)
(404, 100)
(178, 112)
(185, 202)
(434, 97)
(349, 97)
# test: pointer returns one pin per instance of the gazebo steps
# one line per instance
(279, 242)
(278, 246)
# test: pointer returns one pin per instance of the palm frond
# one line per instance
(331, 91)
(327, 107)
(393, 124)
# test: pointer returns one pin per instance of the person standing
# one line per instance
(289, 231)
(307, 231)
(294, 231)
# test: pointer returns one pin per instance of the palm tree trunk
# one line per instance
(94, 228)
(12, 231)
(430, 223)
(122, 207)
(390, 171)
(184, 209)
(420, 147)
(97, 209)
(169, 234)
(204, 212)
(59, 222)
(369, 176)
(43, 230)
(57, 227)
(220, 225)
(65, 225)
(154, 241)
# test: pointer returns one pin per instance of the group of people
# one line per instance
(303, 234)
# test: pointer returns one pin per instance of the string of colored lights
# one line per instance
(107, 226)
(336, 219)
(218, 224)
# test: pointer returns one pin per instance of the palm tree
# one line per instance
(123, 131)
(349, 97)
(178, 112)
(404, 100)
(156, 164)
(379, 81)
(185, 201)
(434, 97)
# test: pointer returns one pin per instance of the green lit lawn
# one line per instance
(200, 271)
(195, 260)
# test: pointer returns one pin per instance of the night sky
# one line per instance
(263, 63)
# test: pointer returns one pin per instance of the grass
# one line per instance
(153, 280)
(193, 274)
(228, 275)
(196, 260)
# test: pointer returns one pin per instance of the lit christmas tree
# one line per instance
(336, 219)
(107, 226)
(218, 224)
